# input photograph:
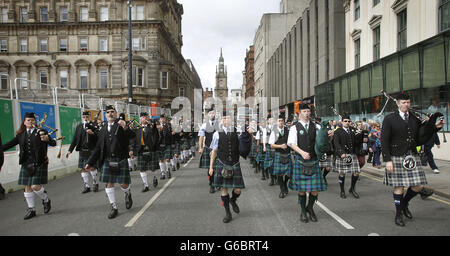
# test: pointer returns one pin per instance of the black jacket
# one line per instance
(40, 147)
(346, 143)
(119, 145)
(151, 140)
(80, 134)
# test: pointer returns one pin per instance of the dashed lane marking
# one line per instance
(335, 216)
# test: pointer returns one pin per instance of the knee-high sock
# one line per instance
(325, 172)
(94, 176)
(172, 162)
(410, 194)
(41, 193)
(111, 196)
(167, 166)
(234, 195)
(341, 182)
(311, 201)
(144, 178)
(302, 202)
(354, 180)
(29, 197)
(162, 167)
(85, 177)
(126, 190)
(398, 205)
(226, 202)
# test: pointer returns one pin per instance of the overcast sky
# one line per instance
(208, 25)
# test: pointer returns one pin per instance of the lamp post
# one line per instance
(130, 56)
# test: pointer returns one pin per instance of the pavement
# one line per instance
(439, 183)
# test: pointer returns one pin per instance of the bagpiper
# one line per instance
(326, 162)
(84, 141)
(269, 152)
(112, 152)
(165, 147)
(260, 153)
(205, 138)
(33, 142)
(401, 133)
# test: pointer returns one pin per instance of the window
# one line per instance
(181, 94)
(164, 82)
(63, 78)
(44, 14)
(63, 44)
(357, 53)
(402, 30)
(137, 12)
(43, 45)
(103, 13)
(103, 79)
(143, 39)
(43, 79)
(103, 44)
(83, 79)
(138, 76)
(84, 14)
(23, 14)
(23, 82)
(63, 14)
(444, 15)
(3, 45)
(135, 44)
(4, 81)
(357, 9)
(4, 15)
(376, 43)
(23, 45)
(83, 44)
(375, 2)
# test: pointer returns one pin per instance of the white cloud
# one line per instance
(208, 25)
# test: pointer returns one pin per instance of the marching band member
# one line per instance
(205, 138)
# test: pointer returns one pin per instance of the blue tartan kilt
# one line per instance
(40, 176)
(205, 159)
(237, 181)
(176, 148)
(303, 183)
(82, 159)
(148, 163)
(165, 153)
(279, 168)
(268, 159)
(261, 154)
(122, 177)
(253, 150)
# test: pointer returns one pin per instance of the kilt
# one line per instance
(260, 155)
(302, 183)
(185, 145)
(268, 159)
(402, 177)
(40, 177)
(237, 181)
(165, 152)
(176, 148)
(253, 150)
(123, 177)
(149, 163)
(205, 159)
(327, 163)
(82, 159)
(279, 168)
(343, 168)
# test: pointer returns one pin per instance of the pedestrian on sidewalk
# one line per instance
(427, 150)
(375, 137)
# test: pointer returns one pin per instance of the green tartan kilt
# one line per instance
(268, 159)
(261, 154)
(176, 148)
(122, 177)
(82, 159)
(279, 168)
(165, 153)
(185, 145)
(148, 163)
(237, 181)
(303, 183)
(40, 176)
(253, 150)
(205, 159)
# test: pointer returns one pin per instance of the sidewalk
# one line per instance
(439, 183)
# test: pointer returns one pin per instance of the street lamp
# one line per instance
(130, 56)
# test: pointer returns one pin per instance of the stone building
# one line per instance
(249, 73)
(83, 45)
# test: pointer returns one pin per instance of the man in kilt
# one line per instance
(345, 144)
(33, 158)
(145, 145)
(205, 138)
(326, 162)
(254, 146)
(282, 162)
(112, 152)
(177, 131)
(401, 133)
(269, 152)
(306, 175)
(165, 147)
(227, 146)
(260, 153)
(84, 141)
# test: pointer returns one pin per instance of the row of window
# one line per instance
(358, 7)
(137, 13)
(63, 75)
(138, 44)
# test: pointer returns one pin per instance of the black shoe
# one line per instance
(145, 189)
(155, 181)
(227, 217)
(163, 177)
(263, 177)
(114, 212)
(406, 212)
(47, 206)
(30, 214)
(399, 221)
(425, 193)
(212, 189)
(282, 195)
(343, 195)
(353, 192)
(128, 200)
(312, 215)
(234, 205)
(86, 190)
(95, 187)
(272, 182)
(303, 217)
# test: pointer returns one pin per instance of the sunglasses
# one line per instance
(346, 121)
(112, 111)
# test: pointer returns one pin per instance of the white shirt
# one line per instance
(402, 114)
(32, 130)
(202, 131)
(272, 137)
(292, 139)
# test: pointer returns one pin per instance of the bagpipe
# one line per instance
(129, 122)
(42, 131)
(323, 141)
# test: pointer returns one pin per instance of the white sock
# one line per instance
(42, 194)
(144, 178)
(161, 167)
(111, 196)
(167, 167)
(94, 176)
(29, 197)
(126, 190)
(172, 162)
(85, 177)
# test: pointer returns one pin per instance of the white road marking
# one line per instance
(187, 162)
(373, 234)
(335, 216)
(73, 234)
(149, 203)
